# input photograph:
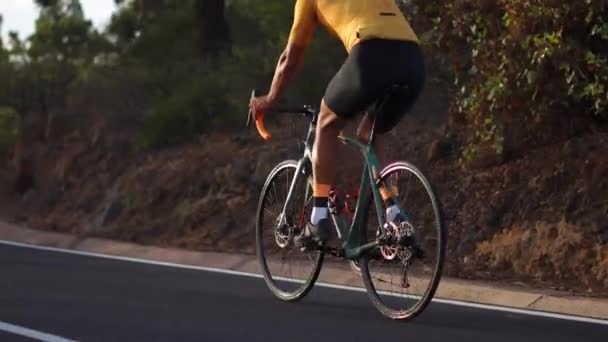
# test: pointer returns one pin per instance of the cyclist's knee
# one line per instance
(365, 129)
(328, 120)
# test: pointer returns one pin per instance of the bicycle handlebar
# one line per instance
(259, 122)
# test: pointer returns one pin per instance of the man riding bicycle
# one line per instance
(383, 52)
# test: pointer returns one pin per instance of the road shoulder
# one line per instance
(333, 272)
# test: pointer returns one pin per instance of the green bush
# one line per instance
(9, 129)
(194, 106)
(518, 63)
(192, 97)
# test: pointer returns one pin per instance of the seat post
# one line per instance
(394, 89)
(372, 135)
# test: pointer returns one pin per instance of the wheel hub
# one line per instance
(282, 232)
(396, 233)
(389, 251)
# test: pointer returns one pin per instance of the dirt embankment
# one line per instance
(540, 218)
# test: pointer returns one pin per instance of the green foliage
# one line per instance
(149, 65)
(193, 107)
(519, 61)
(42, 70)
(62, 32)
(133, 201)
(9, 128)
(192, 95)
(184, 210)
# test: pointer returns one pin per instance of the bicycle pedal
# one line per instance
(385, 240)
(336, 252)
(308, 245)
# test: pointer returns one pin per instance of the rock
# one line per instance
(5, 183)
(243, 169)
(534, 182)
(28, 198)
(257, 183)
(241, 141)
(595, 226)
(289, 153)
(468, 181)
(52, 197)
(25, 176)
(438, 149)
(572, 203)
(489, 216)
(467, 244)
(111, 211)
(603, 237)
(510, 176)
(88, 203)
(486, 158)
(569, 148)
(203, 139)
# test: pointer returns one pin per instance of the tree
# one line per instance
(62, 32)
(1, 22)
(5, 75)
(213, 31)
(3, 52)
(63, 47)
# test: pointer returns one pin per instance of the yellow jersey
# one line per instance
(353, 21)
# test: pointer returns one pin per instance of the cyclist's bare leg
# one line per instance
(325, 151)
(364, 132)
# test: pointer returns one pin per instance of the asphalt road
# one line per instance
(93, 299)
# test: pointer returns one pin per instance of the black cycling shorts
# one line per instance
(372, 68)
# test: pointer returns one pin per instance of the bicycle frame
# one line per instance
(353, 236)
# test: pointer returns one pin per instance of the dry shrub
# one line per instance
(547, 251)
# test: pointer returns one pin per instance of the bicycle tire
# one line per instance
(273, 282)
(428, 295)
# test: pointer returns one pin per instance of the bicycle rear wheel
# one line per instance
(288, 272)
(399, 279)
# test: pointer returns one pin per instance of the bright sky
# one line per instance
(19, 15)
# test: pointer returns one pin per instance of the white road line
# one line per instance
(33, 334)
(326, 285)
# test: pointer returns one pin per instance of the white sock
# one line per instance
(318, 214)
(392, 212)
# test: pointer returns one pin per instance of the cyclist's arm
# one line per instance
(289, 64)
(291, 59)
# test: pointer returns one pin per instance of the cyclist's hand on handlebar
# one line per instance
(260, 105)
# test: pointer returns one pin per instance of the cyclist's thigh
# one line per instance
(410, 74)
(350, 92)
(395, 108)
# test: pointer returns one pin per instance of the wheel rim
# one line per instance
(288, 271)
(402, 283)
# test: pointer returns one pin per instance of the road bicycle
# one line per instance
(400, 262)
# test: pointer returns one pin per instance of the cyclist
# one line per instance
(383, 51)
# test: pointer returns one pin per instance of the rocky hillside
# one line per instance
(538, 218)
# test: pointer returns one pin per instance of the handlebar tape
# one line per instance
(259, 124)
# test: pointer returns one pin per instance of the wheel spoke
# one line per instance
(281, 258)
(271, 212)
(287, 183)
(402, 287)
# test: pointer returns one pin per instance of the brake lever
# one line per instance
(259, 122)
(250, 113)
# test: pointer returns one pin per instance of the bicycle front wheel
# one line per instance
(402, 277)
(288, 272)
